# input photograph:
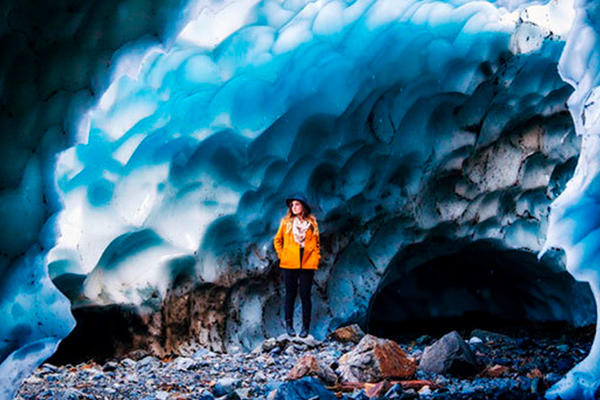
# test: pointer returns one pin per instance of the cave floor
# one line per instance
(520, 366)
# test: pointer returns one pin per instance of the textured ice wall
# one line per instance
(191, 151)
(175, 141)
(176, 144)
(55, 60)
(574, 220)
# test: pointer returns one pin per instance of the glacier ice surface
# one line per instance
(195, 141)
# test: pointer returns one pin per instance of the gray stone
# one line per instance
(110, 366)
(128, 363)
(450, 355)
(269, 345)
(303, 389)
(260, 376)
(309, 341)
(360, 395)
(184, 363)
(206, 395)
(148, 361)
(409, 394)
(298, 347)
(70, 394)
(47, 368)
(131, 378)
(395, 391)
(244, 394)
(161, 395)
(226, 386)
(283, 338)
(563, 348)
(488, 336)
(203, 353)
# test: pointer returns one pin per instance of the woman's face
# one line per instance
(297, 208)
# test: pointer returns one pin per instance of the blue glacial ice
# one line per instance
(189, 144)
(573, 224)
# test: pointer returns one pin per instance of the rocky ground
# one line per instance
(347, 365)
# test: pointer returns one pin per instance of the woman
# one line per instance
(299, 250)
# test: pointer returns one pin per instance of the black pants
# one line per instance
(293, 278)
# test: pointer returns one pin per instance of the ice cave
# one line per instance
(450, 149)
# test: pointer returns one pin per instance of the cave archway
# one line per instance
(440, 285)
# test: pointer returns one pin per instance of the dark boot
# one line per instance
(289, 327)
(304, 331)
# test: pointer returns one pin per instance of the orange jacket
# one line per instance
(288, 250)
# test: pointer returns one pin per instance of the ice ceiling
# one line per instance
(144, 141)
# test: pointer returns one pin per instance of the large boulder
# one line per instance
(375, 359)
(310, 366)
(450, 355)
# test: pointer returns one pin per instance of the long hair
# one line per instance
(289, 216)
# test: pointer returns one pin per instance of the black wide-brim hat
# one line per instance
(301, 199)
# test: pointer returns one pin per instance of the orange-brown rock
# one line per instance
(495, 372)
(375, 359)
(535, 373)
(350, 333)
(377, 389)
(310, 366)
(342, 387)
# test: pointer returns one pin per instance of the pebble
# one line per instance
(110, 366)
(474, 341)
(226, 386)
(205, 375)
(563, 348)
(184, 363)
(244, 393)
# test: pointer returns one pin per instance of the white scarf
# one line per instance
(299, 229)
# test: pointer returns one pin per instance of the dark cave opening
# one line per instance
(440, 286)
(101, 333)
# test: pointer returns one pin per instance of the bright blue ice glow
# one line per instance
(183, 135)
(192, 148)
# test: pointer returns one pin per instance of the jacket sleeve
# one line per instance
(278, 241)
(317, 241)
